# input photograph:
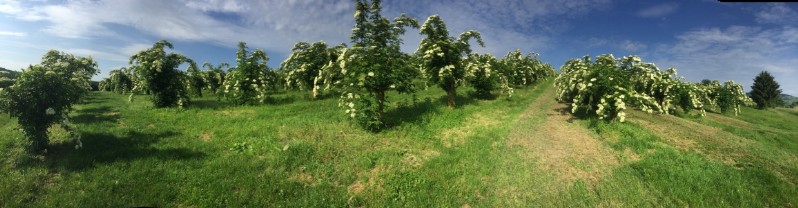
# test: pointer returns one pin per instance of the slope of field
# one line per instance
(293, 151)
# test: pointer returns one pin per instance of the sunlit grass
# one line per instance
(298, 152)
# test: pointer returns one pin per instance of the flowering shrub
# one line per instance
(310, 66)
(214, 77)
(195, 80)
(731, 96)
(159, 74)
(44, 94)
(247, 82)
(481, 75)
(521, 70)
(688, 96)
(374, 64)
(118, 81)
(442, 60)
(607, 86)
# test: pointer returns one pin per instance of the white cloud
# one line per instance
(259, 22)
(734, 53)
(10, 7)
(658, 10)
(8, 33)
(632, 46)
(275, 25)
(134, 48)
(97, 54)
(778, 13)
(504, 24)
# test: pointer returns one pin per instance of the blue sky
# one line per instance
(702, 39)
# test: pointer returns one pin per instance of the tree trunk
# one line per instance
(380, 104)
(38, 139)
(452, 94)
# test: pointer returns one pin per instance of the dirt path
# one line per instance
(566, 150)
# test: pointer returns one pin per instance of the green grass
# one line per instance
(298, 152)
(666, 176)
(292, 151)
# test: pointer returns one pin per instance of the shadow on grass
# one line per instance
(279, 100)
(565, 110)
(102, 148)
(474, 94)
(410, 113)
(223, 103)
(96, 115)
(459, 100)
(93, 98)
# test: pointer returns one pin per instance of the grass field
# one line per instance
(518, 152)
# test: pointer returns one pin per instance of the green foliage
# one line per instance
(523, 70)
(306, 67)
(606, 86)
(195, 81)
(330, 74)
(374, 64)
(481, 75)
(442, 61)
(765, 91)
(118, 81)
(241, 147)
(688, 96)
(44, 94)
(731, 97)
(248, 81)
(7, 77)
(213, 77)
(159, 74)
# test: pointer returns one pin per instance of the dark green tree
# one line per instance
(765, 91)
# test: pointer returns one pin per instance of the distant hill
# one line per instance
(788, 99)
(7, 77)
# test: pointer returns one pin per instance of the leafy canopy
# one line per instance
(44, 94)
(765, 91)
(159, 74)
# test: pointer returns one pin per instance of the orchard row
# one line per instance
(606, 87)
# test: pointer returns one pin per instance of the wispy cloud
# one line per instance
(97, 54)
(276, 25)
(778, 13)
(8, 33)
(632, 46)
(658, 10)
(10, 7)
(258, 23)
(505, 24)
(735, 53)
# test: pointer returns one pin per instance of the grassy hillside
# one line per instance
(7, 77)
(788, 99)
(498, 153)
